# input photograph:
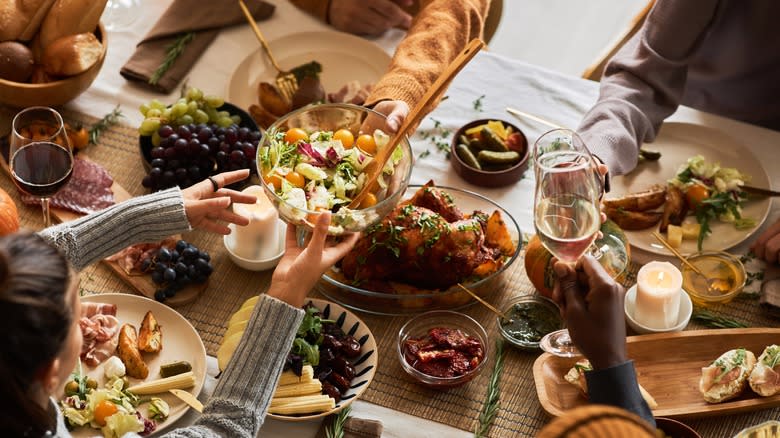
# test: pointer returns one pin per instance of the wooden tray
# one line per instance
(668, 366)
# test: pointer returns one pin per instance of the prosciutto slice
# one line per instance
(88, 191)
(100, 329)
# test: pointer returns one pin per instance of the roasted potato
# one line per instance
(272, 100)
(497, 234)
(263, 118)
(675, 208)
(649, 199)
(633, 220)
(150, 336)
(128, 352)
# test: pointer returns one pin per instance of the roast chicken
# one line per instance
(426, 242)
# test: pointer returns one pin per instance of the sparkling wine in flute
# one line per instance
(41, 168)
(567, 224)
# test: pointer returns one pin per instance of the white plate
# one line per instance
(677, 142)
(180, 342)
(365, 365)
(344, 58)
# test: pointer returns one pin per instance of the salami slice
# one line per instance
(88, 191)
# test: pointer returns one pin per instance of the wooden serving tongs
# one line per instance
(374, 168)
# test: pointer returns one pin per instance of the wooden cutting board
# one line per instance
(668, 366)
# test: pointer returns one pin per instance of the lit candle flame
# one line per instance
(660, 277)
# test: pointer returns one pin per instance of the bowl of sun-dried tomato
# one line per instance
(442, 349)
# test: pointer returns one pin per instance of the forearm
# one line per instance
(644, 82)
(439, 32)
(98, 235)
(617, 386)
(317, 8)
(240, 401)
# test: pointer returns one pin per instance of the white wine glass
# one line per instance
(567, 217)
(40, 155)
(120, 14)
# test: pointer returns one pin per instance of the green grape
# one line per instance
(214, 101)
(236, 119)
(223, 114)
(149, 126)
(201, 117)
(167, 115)
(153, 112)
(212, 113)
(185, 120)
(224, 122)
(192, 106)
(179, 109)
(156, 138)
(194, 94)
(156, 104)
(144, 108)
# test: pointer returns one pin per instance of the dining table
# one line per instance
(482, 90)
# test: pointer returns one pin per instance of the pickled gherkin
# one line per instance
(492, 157)
(465, 154)
(175, 368)
(491, 141)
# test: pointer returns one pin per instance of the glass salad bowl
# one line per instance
(313, 159)
(394, 298)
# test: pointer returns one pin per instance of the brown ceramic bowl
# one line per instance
(485, 177)
(22, 95)
(675, 429)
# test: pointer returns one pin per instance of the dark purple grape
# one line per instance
(173, 164)
(219, 131)
(159, 295)
(157, 277)
(170, 292)
(189, 253)
(255, 136)
(157, 152)
(204, 267)
(158, 162)
(191, 127)
(180, 268)
(193, 147)
(249, 150)
(146, 264)
(231, 136)
(181, 174)
(170, 152)
(169, 274)
(237, 157)
(204, 255)
(191, 271)
(184, 280)
(184, 132)
(147, 182)
(203, 150)
(205, 134)
(224, 147)
(165, 131)
(164, 255)
(180, 245)
(159, 267)
(166, 142)
(174, 255)
(213, 143)
(172, 139)
(221, 137)
(243, 133)
(155, 173)
(180, 145)
(194, 172)
(201, 127)
(168, 178)
(221, 156)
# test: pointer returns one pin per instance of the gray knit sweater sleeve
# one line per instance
(96, 236)
(645, 82)
(240, 401)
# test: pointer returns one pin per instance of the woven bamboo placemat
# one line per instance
(520, 413)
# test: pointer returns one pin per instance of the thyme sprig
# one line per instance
(493, 398)
(336, 428)
(172, 53)
(710, 319)
(103, 124)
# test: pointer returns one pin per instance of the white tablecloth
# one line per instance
(502, 81)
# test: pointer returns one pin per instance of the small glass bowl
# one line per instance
(715, 265)
(418, 327)
(539, 304)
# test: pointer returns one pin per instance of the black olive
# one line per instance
(331, 391)
(330, 341)
(350, 347)
(326, 356)
(340, 381)
(343, 367)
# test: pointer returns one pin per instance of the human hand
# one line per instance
(300, 268)
(767, 246)
(395, 112)
(592, 304)
(205, 206)
(368, 17)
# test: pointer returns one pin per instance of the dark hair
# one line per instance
(35, 319)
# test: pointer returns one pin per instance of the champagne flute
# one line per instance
(566, 208)
(40, 156)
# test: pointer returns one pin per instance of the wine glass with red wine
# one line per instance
(567, 217)
(40, 156)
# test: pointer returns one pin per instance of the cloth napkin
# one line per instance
(354, 428)
(770, 290)
(205, 18)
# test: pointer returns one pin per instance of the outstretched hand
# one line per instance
(300, 268)
(767, 246)
(369, 17)
(592, 304)
(206, 207)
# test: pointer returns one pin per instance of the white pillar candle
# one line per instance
(658, 289)
(259, 239)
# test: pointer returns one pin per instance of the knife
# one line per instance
(759, 191)
(188, 398)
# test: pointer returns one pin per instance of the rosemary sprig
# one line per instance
(336, 428)
(171, 54)
(493, 398)
(478, 103)
(709, 319)
(103, 124)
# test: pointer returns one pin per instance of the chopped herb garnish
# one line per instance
(478, 103)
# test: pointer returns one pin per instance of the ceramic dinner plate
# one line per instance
(677, 142)
(365, 364)
(343, 57)
(180, 342)
(668, 366)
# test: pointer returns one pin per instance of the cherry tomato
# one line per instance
(103, 410)
(345, 137)
(695, 194)
(295, 179)
(366, 144)
(368, 201)
(294, 135)
(274, 179)
(79, 137)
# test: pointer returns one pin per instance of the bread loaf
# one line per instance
(727, 376)
(71, 55)
(21, 19)
(70, 17)
(765, 379)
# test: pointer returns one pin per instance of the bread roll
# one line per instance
(70, 17)
(765, 377)
(71, 55)
(20, 19)
(16, 61)
(727, 376)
